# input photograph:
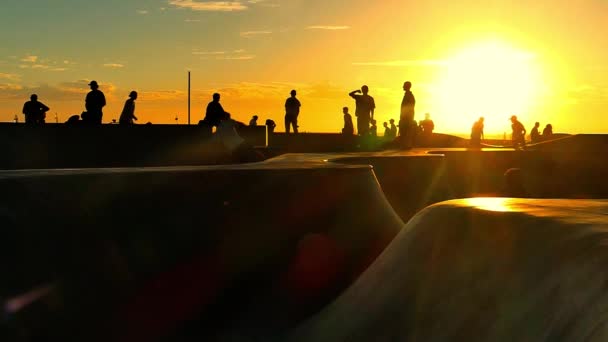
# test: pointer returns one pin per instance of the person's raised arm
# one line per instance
(352, 93)
(44, 108)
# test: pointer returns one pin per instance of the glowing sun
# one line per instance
(490, 79)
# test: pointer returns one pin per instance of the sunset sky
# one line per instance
(542, 60)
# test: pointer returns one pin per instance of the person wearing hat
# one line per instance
(94, 103)
(519, 133)
(128, 112)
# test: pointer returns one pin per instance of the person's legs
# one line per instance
(294, 122)
(287, 123)
(362, 126)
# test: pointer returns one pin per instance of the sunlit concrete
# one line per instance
(484, 269)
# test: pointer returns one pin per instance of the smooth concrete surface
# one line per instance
(483, 269)
(171, 252)
(138, 254)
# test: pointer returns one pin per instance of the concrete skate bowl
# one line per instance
(547, 173)
(484, 269)
(410, 182)
(153, 253)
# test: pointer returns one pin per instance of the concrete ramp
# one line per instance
(484, 269)
(142, 253)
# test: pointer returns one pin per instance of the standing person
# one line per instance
(292, 110)
(348, 129)
(387, 130)
(253, 121)
(34, 111)
(519, 133)
(535, 134)
(406, 120)
(477, 133)
(94, 103)
(364, 110)
(393, 128)
(128, 111)
(214, 113)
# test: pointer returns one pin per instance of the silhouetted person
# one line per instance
(373, 129)
(128, 111)
(518, 134)
(348, 128)
(270, 125)
(427, 125)
(253, 121)
(73, 120)
(393, 129)
(548, 132)
(535, 134)
(34, 111)
(514, 184)
(214, 113)
(477, 133)
(292, 110)
(364, 110)
(227, 135)
(387, 130)
(94, 103)
(407, 127)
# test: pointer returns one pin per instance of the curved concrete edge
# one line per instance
(135, 243)
(490, 269)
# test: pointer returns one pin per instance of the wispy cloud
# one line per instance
(29, 59)
(328, 27)
(10, 77)
(142, 12)
(403, 63)
(249, 34)
(114, 65)
(237, 58)
(9, 88)
(207, 53)
(162, 95)
(234, 55)
(192, 20)
(219, 6)
(67, 91)
(37, 63)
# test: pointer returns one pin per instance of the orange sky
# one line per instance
(544, 61)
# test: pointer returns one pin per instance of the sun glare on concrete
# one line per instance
(491, 204)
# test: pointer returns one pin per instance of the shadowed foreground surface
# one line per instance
(180, 253)
(484, 269)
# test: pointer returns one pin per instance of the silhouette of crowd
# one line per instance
(406, 134)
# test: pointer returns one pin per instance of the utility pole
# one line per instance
(188, 97)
